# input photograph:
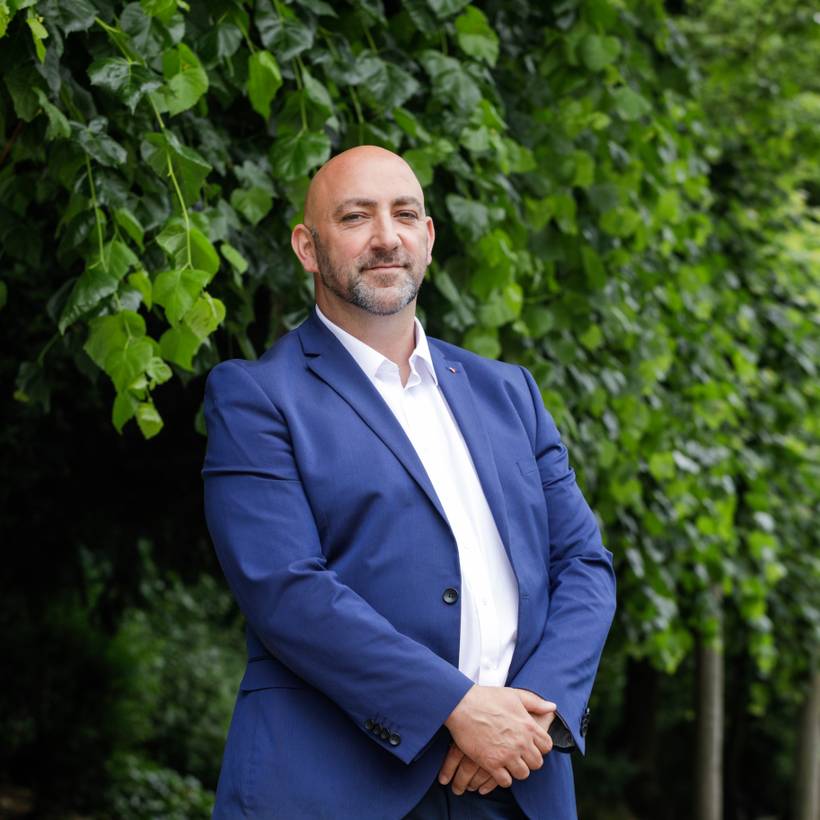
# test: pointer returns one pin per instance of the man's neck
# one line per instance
(393, 336)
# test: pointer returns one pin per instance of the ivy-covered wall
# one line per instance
(626, 201)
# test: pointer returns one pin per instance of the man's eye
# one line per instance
(408, 215)
(352, 217)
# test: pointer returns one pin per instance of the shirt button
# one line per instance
(450, 595)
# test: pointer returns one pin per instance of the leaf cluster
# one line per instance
(624, 201)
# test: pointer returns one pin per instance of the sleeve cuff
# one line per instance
(562, 740)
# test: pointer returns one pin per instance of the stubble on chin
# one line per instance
(382, 299)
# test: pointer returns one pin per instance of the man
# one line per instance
(426, 590)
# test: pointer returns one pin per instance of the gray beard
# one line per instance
(360, 293)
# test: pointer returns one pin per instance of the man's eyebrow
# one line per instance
(357, 202)
(354, 203)
(408, 200)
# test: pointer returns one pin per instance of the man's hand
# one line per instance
(496, 728)
(466, 775)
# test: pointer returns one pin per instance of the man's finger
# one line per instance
(502, 777)
(519, 769)
(534, 758)
(481, 777)
(544, 744)
(448, 768)
(534, 703)
(464, 774)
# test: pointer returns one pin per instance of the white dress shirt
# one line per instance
(489, 589)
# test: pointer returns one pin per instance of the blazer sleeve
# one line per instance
(582, 586)
(268, 545)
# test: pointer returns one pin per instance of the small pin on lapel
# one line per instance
(451, 369)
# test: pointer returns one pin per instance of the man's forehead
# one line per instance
(380, 176)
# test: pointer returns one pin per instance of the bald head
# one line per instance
(366, 236)
(354, 173)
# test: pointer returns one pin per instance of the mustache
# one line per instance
(384, 258)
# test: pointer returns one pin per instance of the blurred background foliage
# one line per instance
(627, 201)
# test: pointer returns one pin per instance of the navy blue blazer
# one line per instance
(339, 553)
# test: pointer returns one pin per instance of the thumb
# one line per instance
(534, 703)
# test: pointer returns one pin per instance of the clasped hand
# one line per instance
(499, 733)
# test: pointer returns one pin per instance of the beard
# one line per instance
(385, 293)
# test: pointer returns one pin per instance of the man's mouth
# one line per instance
(383, 266)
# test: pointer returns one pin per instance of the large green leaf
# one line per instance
(78, 15)
(598, 51)
(473, 216)
(294, 156)
(285, 36)
(108, 334)
(264, 80)
(176, 240)
(129, 81)
(317, 94)
(186, 79)
(148, 418)
(190, 167)
(629, 103)
(177, 290)
(179, 345)
(390, 85)
(476, 36)
(205, 316)
(58, 125)
(99, 281)
(253, 203)
(96, 142)
(126, 364)
(21, 81)
(452, 84)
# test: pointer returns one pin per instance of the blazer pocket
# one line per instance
(268, 673)
(528, 466)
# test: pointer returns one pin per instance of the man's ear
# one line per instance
(431, 238)
(301, 240)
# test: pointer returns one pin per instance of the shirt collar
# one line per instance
(370, 360)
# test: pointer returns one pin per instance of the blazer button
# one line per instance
(585, 722)
(450, 595)
(368, 724)
(394, 739)
(384, 734)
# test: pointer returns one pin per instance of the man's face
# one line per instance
(371, 237)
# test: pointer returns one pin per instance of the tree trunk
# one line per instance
(709, 745)
(807, 792)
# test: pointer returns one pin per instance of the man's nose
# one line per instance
(384, 232)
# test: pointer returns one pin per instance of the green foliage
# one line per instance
(144, 711)
(626, 202)
(186, 649)
(138, 789)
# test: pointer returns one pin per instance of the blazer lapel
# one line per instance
(329, 360)
(455, 385)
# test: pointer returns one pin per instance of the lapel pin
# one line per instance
(451, 369)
